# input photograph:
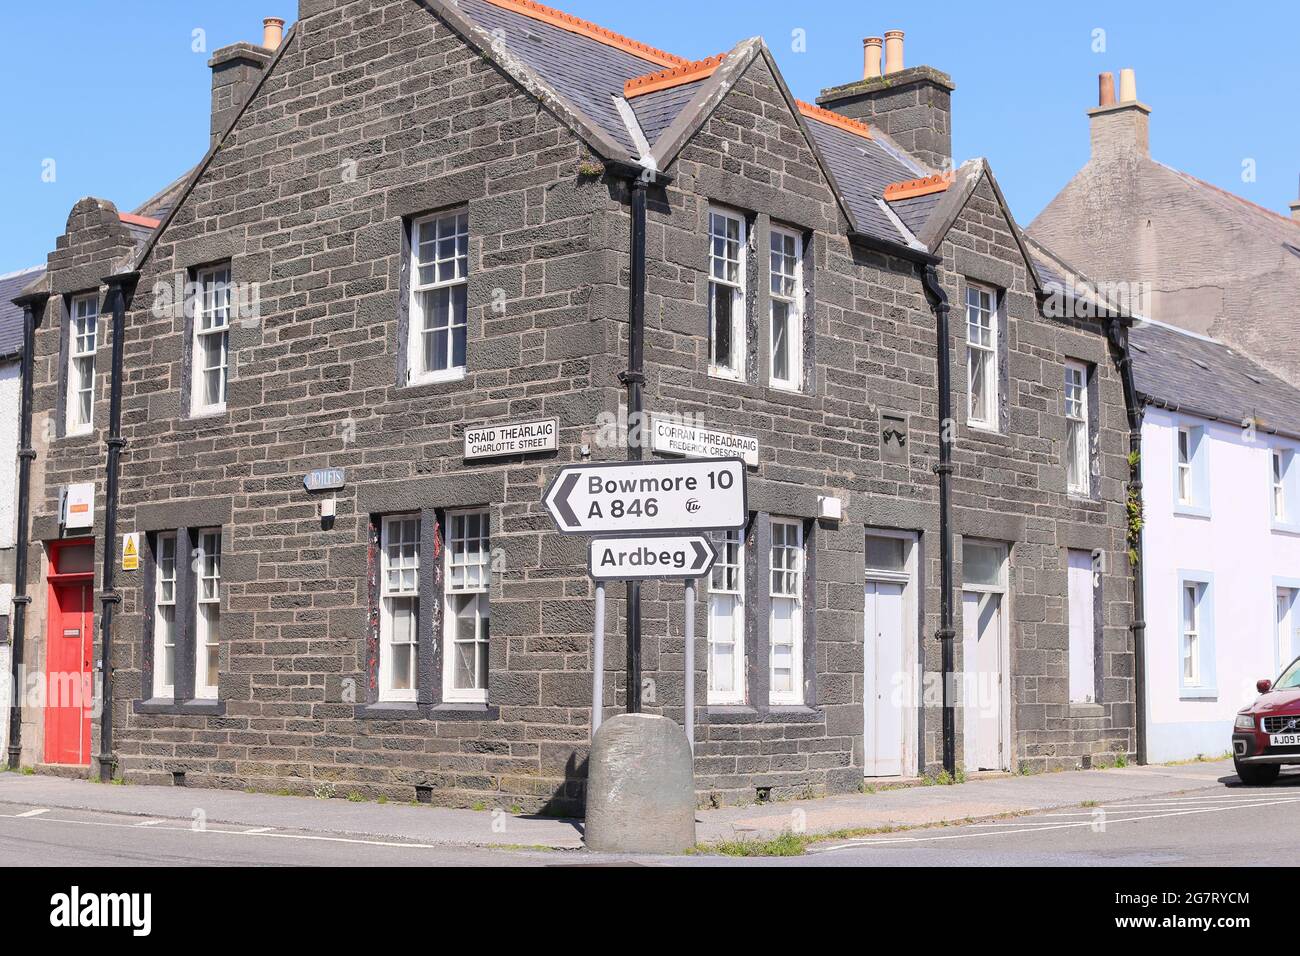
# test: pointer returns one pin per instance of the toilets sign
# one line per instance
(649, 496)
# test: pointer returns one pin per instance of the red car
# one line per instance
(1266, 734)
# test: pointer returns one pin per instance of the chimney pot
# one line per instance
(1128, 87)
(893, 51)
(1106, 89)
(871, 57)
(272, 33)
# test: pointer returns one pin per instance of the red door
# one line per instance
(68, 649)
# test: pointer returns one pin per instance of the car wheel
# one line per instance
(1257, 775)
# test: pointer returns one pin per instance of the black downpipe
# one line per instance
(26, 454)
(947, 632)
(633, 379)
(1117, 331)
(109, 598)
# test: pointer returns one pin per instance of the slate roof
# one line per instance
(656, 111)
(915, 212)
(11, 316)
(862, 168)
(1180, 370)
(585, 71)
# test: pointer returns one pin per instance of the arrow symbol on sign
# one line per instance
(561, 499)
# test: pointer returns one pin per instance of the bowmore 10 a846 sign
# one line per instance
(695, 495)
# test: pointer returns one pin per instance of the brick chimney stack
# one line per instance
(1123, 127)
(911, 105)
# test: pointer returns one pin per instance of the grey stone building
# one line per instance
(1214, 261)
(419, 221)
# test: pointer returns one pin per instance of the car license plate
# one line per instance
(1284, 740)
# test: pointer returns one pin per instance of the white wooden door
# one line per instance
(886, 682)
(982, 679)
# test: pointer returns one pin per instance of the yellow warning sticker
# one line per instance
(131, 551)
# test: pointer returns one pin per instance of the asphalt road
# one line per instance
(1226, 825)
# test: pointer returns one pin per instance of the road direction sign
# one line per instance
(629, 496)
(651, 556)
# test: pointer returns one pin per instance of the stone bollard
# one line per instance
(640, 787)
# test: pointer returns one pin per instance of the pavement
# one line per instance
(316, 825)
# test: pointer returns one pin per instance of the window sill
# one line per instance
(464, 711)
(388, 710)
(204, 414)
(792, 712)
(1198, 693)
(723, 713)
(439, 379)
(1191, 511)
(727, 375)
(1087, 710)
(193, 708)
(410, 710)
(1282, 527)
(82, 433)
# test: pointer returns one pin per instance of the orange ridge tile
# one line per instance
(918, 187)
(567, 21)
(834, 119)
(674, 76)
(132, 219)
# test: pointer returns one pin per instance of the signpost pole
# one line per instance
(689, 716)
(598, 660)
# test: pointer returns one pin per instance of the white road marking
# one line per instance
(1109, 820)
(33, 813)
(149, 823)
(259, 831)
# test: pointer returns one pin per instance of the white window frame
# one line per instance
(211, 321)
(1077, 466)
(786, 273)
(165, 631)
(464, 574)
(1279, 465)
(786, 583)
(721, 266)
(985, 352)
(83, 342)
(730, 563)
(1191, 633)
(207, 610)
(1184, 464)
(450, 272)
(399, 581)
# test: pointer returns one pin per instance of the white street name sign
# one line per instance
(512, 438)
(675, 438)
(651, 556)
(632, 496)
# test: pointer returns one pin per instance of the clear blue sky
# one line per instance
(112, 91)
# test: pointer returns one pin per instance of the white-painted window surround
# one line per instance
(83, 339)
(164, 619)
(727, 248)
(438, 319)
(467, 616)
(982, 356)
(1077, 435)
(207, 631)
(399, 607)
(785, 624)
(211, 345)
(785, 368)
(727, 622)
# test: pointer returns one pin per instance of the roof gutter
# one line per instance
(918, 256)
